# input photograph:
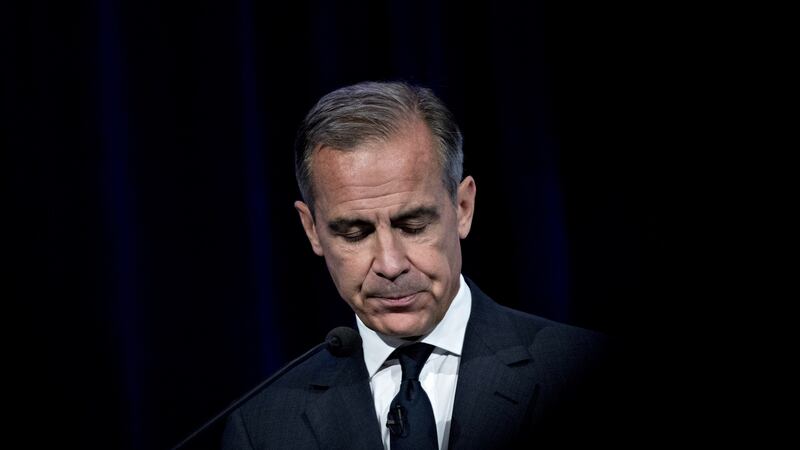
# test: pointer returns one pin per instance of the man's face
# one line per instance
(389, 230)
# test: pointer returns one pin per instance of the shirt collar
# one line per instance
(447, 335)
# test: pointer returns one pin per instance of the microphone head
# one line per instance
(343, 341)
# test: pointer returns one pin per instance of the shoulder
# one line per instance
(539, 332)
(291, 386)
(275, 416)
(560, 351)
(578, 372)
(547, 336)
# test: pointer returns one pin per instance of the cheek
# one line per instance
(438, 258)
(348, 266)
(431, 257)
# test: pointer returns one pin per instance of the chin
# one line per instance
(403, 327)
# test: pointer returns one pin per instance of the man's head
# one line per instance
(379, 167)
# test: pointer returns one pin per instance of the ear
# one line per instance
(465, 206)
(310, 228)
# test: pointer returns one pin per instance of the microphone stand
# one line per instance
(253, 392)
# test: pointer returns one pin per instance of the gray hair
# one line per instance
(352, 115)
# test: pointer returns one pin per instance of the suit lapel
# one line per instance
(495, 379)
(343, 413)
(496, 387)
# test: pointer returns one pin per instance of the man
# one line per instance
(379, 166)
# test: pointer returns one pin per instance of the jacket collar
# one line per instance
(342, 413)
(496, 384)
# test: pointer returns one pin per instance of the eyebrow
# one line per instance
(341, 225)
(421, 212)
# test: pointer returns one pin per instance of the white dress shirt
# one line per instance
(439, 375)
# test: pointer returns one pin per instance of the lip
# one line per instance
(399, 302)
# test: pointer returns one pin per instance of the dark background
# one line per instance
(159, 268)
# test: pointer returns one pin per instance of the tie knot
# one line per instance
(412, 358)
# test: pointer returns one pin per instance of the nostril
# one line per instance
(391, 276)
(388, 276)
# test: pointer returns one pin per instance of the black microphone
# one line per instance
(341, 342)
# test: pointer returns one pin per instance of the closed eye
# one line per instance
(417, 220)
(351, 230)
(355, 236)
(414, 229)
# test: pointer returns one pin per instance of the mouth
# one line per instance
(394, 302)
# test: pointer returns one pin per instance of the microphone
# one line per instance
(340, 342)
(343, 341)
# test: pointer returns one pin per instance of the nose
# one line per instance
(390, 260)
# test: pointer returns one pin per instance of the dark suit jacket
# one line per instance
(523, 382)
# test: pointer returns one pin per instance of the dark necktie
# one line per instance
(411, 422)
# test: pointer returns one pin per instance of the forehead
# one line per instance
(377, 176)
